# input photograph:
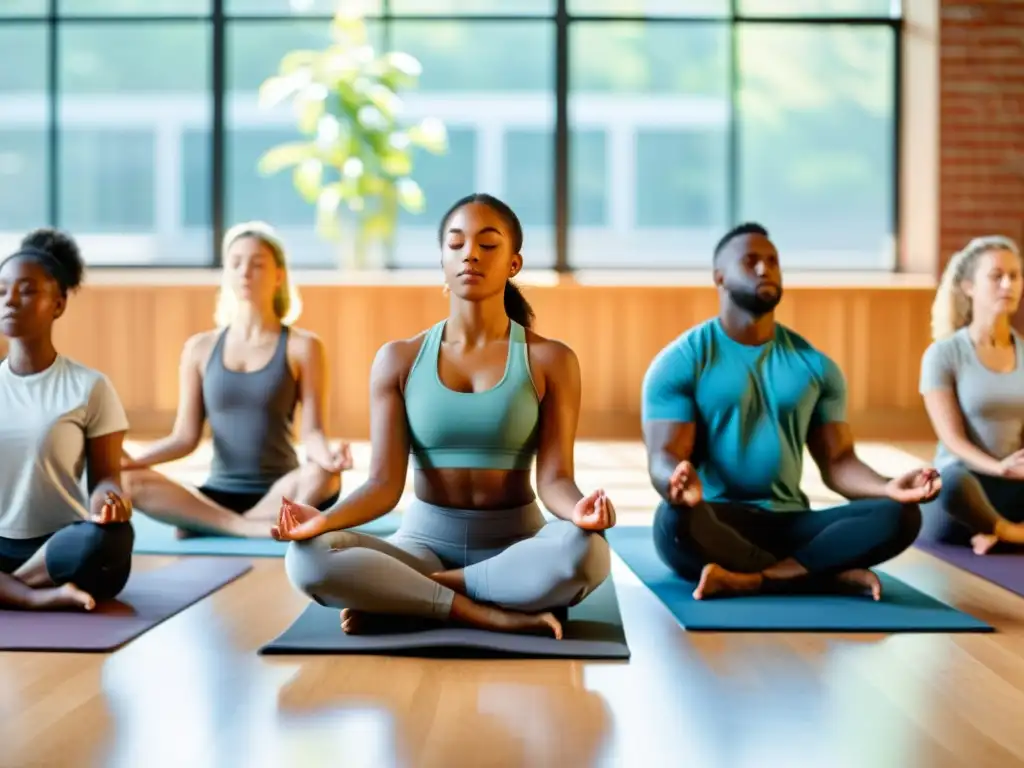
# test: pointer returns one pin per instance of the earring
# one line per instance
(446, 290)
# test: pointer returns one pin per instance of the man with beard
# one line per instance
(728, 407)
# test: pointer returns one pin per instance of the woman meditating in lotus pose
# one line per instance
(60, 546)
(475, 398)
(246, 378)
(972, 380)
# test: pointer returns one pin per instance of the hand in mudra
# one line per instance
(1012, 467)
(684, 488)
(339, 460)
(594, 512)
(296, 522)
(915, 487)
(106, 508)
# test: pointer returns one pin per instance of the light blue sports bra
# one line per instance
(493, 429)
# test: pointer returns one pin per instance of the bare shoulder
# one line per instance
(197, 348)
(550, 355)
(304, 344)
(395, 359)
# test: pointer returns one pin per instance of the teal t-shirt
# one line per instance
(753, 407)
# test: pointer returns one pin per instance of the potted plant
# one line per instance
(355, 160)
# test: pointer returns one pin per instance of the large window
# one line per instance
(24, 160)
(625, 133)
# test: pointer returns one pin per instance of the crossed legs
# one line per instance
(509, 589)
(975, 510)
(73, 568)
(737, 548)
(186, 507)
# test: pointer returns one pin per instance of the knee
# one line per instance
(586, 556)
(307, 563)
(96, 558)
(904, 522)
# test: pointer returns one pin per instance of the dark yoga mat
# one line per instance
(593, 631)
(1004, 569)
(901, 609)
(155, 538)
(150, 598)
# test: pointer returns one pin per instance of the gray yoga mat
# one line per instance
(150, 598)
(593, 631)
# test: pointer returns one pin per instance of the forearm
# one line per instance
(560, 497)
(660, 467)
(851, 478)
(366, 503)
(318, 450)
(973, 457)
(162, 451)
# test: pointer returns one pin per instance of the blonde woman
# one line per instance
(245, 378)
(972, 380)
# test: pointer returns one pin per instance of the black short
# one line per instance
(242, 502)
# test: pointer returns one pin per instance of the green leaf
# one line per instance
(295, 60)
(348, 29)
(327, 223)
(308, 179)
(276, 89)
(284, 156)
(403, 63)
(430, 134)
(309, 111)
(385, 100)
(397, 163)
(410, 196)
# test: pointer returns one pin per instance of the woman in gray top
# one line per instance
(972, 380)
(245, 378)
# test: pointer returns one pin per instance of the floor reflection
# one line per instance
(440, 712)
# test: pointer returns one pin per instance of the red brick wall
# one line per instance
(981, 124)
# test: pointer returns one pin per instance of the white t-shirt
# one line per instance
(45, 419)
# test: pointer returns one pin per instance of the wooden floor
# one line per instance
(193, 692)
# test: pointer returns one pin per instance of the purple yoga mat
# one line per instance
(1006, 570)
(149, 598)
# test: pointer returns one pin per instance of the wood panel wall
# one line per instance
(134, 333)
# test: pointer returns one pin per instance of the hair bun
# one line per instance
(63, 249)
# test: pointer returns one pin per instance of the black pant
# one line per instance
(241, 502)
(747, 539)
(971, 503)
(95, 558)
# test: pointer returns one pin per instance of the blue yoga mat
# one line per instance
(156, 538)
(901, 609)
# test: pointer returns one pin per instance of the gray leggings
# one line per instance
(510, 558)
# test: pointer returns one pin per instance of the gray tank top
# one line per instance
(251, 417)
(992, 403)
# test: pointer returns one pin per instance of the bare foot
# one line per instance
(982, 543)
(364, 623)
(465, 611)
(715, 580)
(60, 598)
(352, 622)
(527, 623)
(863, 578)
